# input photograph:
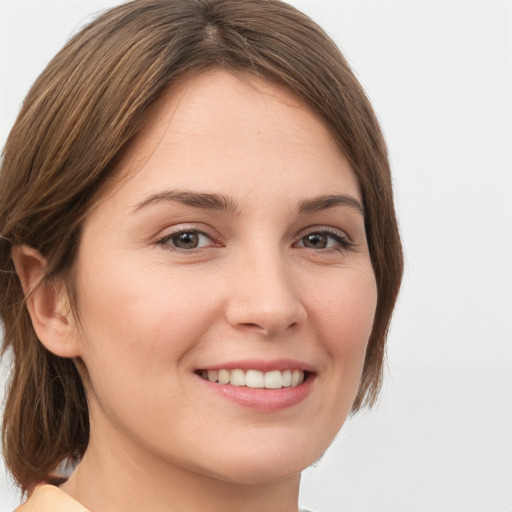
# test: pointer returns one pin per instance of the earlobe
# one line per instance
(47, 303)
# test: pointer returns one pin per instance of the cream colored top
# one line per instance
(48, 498)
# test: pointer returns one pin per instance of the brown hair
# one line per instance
(86, 106)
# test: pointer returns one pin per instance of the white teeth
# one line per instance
(275, 379)
(254, 379)
(237, 378)
(224, 376)
(295, 378)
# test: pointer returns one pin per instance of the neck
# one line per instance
(121, 478)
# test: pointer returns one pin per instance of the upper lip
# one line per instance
(261, 365)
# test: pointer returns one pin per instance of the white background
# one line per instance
(439, 74)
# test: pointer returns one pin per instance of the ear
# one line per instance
(47, 303)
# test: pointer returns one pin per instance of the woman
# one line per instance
(200, 258)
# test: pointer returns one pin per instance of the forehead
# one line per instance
(225, 127)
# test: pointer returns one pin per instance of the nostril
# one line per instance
(261, 328)
(252, 326)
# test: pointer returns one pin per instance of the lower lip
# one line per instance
(263, 400)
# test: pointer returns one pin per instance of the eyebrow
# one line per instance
(227, 204)
(195, 199)
(330, 201)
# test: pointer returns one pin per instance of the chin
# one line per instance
(267, 462)
(259, 472)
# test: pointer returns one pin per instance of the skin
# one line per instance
(150, 315)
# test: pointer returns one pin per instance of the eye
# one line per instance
(324, 239)
(186, 240)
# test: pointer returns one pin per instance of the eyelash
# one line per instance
(342, 241)
(164, 240)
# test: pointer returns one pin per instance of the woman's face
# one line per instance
(232, 247)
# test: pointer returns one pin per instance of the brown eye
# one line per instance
(187, 240)
(315, 240)
(329, 240)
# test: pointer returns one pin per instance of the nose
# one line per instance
(264, 297)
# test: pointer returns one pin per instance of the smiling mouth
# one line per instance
(255, 379)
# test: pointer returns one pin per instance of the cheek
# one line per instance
(345, 311)
(136, 317)
(342, 313)
(344, 317)
(139, 325)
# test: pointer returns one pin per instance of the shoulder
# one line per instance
(49, 498)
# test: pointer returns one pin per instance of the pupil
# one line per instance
(186, 240)
(315, 241)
